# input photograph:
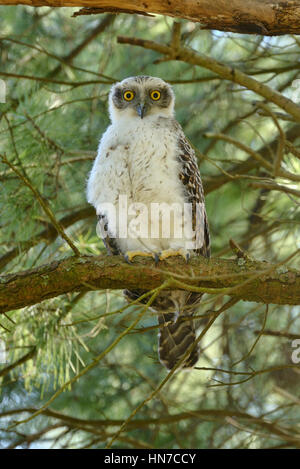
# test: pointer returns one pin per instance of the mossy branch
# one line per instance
(267, 17)
(246, 279)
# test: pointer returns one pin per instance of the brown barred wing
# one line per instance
(177, 333)
(190, 177)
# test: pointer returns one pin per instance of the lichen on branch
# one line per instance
(241, 278)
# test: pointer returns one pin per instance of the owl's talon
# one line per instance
(129, 255)
(156, 258)
(126, 257)
(171, 253)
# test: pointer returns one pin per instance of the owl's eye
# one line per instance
(155, 95)
(128, 95)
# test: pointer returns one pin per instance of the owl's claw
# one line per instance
(156, 258)
(129, 255)
(171, 253)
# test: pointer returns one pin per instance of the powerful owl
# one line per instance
(146, 188)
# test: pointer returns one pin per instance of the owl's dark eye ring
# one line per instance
(128, 95)
(155, 95)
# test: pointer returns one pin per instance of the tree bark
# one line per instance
(267, 17)
(242, 278)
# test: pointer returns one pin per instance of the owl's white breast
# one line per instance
(137, 159)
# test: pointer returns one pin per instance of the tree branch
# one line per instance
(203, 414)
(188, 55)
(43, 203)
(268, 17)
(47, 235)
(243, 278)
(214, 182)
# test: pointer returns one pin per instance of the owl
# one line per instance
(146, 188)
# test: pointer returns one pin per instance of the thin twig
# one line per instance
(43, 204)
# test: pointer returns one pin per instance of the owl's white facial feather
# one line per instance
(141, 86)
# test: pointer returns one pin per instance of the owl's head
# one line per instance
(141, 97)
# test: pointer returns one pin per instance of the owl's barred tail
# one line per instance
(174, 339)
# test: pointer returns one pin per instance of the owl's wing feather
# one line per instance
(190, 177)
(175, 338)
(109, 242)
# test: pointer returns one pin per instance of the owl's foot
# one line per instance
(171, 252)
(129, 255)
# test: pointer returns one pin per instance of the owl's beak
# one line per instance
(141, 110)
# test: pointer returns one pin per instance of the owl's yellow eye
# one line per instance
(155, 95)
(128, 95)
